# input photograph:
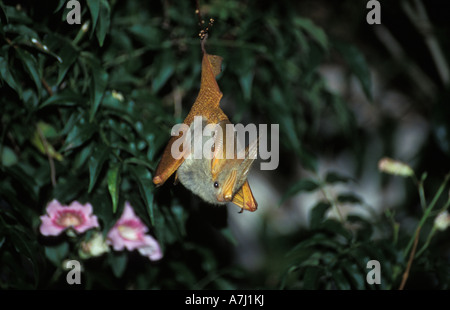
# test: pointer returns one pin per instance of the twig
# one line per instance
(428, 210)
(47, 87)
(420, 20)
(421, 80)
(411, 258)
(50, 159)
(203, 41)
(13, 141)
(199, 14)
(427, 243)
(203, 34)
(433, 231)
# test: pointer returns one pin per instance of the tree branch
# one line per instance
(420, 20)
(411, 258)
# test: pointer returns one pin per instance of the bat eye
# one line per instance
(216, 184)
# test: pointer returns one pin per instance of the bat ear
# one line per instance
(251, 153)
(244, 198)
(218, 160)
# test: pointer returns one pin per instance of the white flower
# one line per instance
(442, 221)
(96, 246)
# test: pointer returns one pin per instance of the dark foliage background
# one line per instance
(86, 111)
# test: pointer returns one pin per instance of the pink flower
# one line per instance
(129, 232)
(151, 248)
(59, 217)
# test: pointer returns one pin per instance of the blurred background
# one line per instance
(86, 111)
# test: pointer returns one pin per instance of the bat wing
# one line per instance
(208, 99)
(168, 164)
(244, 198)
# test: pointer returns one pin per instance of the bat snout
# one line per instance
(225, 197)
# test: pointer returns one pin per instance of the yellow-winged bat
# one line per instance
(216, 180)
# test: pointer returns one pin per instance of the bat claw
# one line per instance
(157, 180)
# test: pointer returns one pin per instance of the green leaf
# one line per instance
(42, 145)
(8, 157)
(83, 155)
(3, 16)
(315, 32)
(335, 228)
(358, 65)
(312, 260)
(304, 185)
(56, 254)
(21, 239)
(246, 81)
(63, 98)
(164, 70)
(137, 161)
(365, 229)
(60, 5)
(118, 263)
(144, 180)
(103, 22)
(24, 33)
(311, 277)
(99, 81)
(94, 8)
(148, 34)
(26, 182)
(96, 162)
(349, 198)
(31, 66)
(318, 214)
(319, 239)
(80, 134)
(340, 280)
(8, 77)
(335, 177)
(355, 275)
(17, 16)
(68, 55)
(114, 183)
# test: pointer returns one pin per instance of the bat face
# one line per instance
(217, 180)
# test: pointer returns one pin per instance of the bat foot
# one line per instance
(242, 210)
(157, 180)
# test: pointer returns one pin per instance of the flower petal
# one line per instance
(76, 206)
(128, 212)
(151, 249)
(53, 207)
(118, 243)
(442, 221)
(48, 228)
(91, 222)
(127, 225)
(114, 239)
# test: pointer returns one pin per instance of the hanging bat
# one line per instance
(216, 180)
